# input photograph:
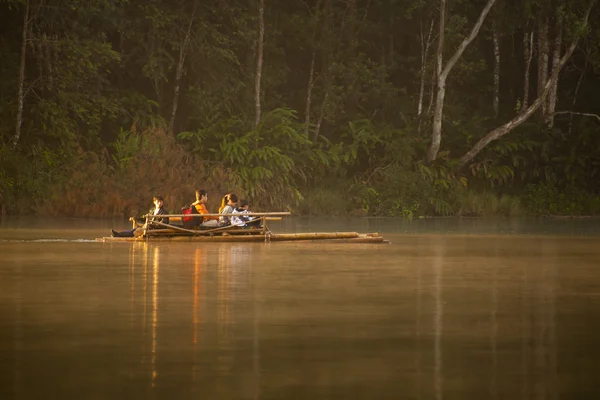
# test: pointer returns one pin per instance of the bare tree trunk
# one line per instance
(553, 95)
(525, 114)
(311, 74)
(327, 66)
(436, 136)
(151, 47)
(351, 24)
(179, 72)
(311, 82)
(21, 95)
(259, 62)
(49, 62)
(431, 93)
(528, 55)
(543, 51)
(321, 115)
(576, 93)
(496, 70)
(425, 45)
(392, 46)
(349, 27)
(38, 51)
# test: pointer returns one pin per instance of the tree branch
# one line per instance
(465, 43)
(259, 63)
(525, 114)
(442, 75)
(579, 113)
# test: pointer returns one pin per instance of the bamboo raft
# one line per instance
(175, 231)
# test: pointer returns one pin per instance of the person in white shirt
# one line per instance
(242, 208)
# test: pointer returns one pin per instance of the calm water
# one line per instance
(454, 309)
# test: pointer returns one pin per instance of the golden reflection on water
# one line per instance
(494, 326)
(199, 270)
(535, 303)
(144, 249)
(438, 271)
(155, 266)
(433, 317)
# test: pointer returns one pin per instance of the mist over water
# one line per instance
(451, 309)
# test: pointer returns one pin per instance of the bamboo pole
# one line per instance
(337, 237)
(232, 231)
(250, 214)
(314, 235)
(194, 231)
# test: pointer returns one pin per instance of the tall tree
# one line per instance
(21, 95)
(556, 52)
(327, 63)
(425, 45)
(183, 49)
(525, 114)
(442, 74)
(527, 56)
(311, 72)
(259, 62)
(496, 42)
(543, 50)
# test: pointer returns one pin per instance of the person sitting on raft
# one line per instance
(241, 220)
(199, 207)
(229, 201)
(158, 209)
(224, 201)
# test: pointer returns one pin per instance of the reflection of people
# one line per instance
(242, 208)
(228, 209)
(199, 207)
(158, 209)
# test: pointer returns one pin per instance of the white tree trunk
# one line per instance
(259, 62)
(528, 55)
(496, 41)
(179, 72)
(425, 45)
(21, 94)
(321, 115)
(526, 113)
(553, 94)
(576, 93)
(543, 50)
(327, 65)
(431, 93)
(436, 136)
(311, 74)
(311, 83)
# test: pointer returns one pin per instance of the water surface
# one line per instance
(451, 309)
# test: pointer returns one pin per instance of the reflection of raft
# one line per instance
(257, 232)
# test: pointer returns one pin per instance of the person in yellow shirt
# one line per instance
(199, 207)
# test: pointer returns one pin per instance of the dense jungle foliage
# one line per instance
(323, 107)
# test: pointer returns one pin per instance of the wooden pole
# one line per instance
(194, 231)
(257, 214)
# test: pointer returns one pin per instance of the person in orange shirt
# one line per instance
(199, 207)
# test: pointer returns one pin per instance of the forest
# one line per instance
(393, 108)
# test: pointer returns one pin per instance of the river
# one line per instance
(451, 309)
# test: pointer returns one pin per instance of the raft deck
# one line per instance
(336, 237)
(231, 233)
